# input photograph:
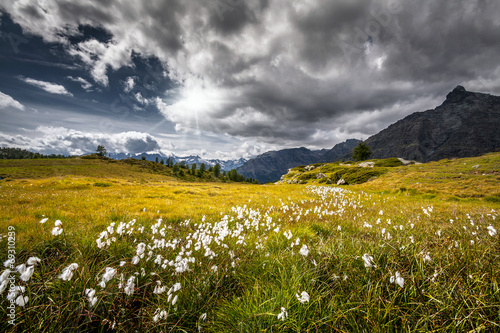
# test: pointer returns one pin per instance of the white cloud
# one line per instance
(129, 84)
(49, 87)
(86, 85)
(7, 101)
(60, 140)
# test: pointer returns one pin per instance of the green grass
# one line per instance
(240, 238)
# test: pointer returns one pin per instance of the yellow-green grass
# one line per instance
(476, 177)
(458, 290)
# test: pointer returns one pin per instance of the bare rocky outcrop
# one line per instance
(465, 125)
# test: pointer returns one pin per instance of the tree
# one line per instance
(175, 169)
(162, 162)
(101, 150)
(193, 169)
(156, 159)
(361, 152)
(217, 170)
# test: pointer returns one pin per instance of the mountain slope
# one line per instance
(269, 166)
(465, 125)
(339, 152)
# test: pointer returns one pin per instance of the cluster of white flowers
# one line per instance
(107, 276)
(58, 228)
(303, 297)
(91, 296)
(398, 279)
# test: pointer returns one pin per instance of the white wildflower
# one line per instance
(129, 288)
(67, 273)
(44, 220)
(304, 250)
(3, 285)
(21, 268)
(492, 231)
(368, 260)
(56, 231)
(28, 273)
(135, 260)
(303, 297)
(33, 261)
(91, 296)
(398, 279)
(21, 300)
(141, 247)
(283, 314)
(159, 289)
(9, 262)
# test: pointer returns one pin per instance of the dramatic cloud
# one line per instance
(62, 140)
(8, 102)
(49, 87)
(275, 73)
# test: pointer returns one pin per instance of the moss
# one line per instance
(388, 163)
(361, 175)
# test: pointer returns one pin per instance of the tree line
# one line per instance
(18, 153)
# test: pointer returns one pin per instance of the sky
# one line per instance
(232, 78)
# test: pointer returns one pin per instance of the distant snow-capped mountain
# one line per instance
(189, 160)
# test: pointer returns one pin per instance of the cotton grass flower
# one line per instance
(44, 220)
(5, 274)
(67, 273)
(21, 268)
(135, 260)
(303, 297)
(3, 285)
(159, 315)
(492, 231)
(57, 230)
(304, 250)
(21, 300)
(159, 289)
(14, 292)
(28, 273)
(91, 296)
(33, 261)
(9, 262)
(129, 288)
(368, 260)
(398, 279)
(107, 276)
(283, 314)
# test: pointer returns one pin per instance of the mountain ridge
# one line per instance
(464, 125)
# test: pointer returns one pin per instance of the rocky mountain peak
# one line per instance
(456, 95)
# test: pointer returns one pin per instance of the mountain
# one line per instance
(189, 160)
(269, 166)
(341, 151)
(465, 125)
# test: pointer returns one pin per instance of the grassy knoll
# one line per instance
(414, 249)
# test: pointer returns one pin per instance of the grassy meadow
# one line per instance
(399, 249)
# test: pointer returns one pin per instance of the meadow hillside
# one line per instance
(106, 246)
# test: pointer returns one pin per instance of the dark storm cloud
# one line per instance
(282, 72)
